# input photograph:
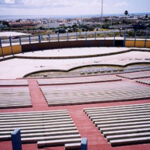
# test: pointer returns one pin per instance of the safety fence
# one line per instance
(116, 38)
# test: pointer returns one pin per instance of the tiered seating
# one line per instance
(106, 78)
(136, 75)
(94, 93)
(13, 82)
(46, 128)
(145, 81)
(122, 125)
(13, 97)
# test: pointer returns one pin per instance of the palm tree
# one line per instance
(126, 13)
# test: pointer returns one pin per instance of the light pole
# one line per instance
(101, 13)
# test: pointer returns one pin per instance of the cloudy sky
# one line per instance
(71, 7)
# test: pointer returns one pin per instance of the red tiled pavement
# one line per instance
(86, 128)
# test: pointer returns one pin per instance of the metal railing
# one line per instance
(60, 37)
(113, 35)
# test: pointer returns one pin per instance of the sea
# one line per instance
(15, 17)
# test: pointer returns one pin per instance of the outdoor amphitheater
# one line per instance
(60, 91)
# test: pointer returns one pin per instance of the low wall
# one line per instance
(139, 43)
(10, 50)
(72, 44)
(68, 44)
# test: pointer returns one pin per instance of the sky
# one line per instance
(71, 7)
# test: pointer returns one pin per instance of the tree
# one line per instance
(6, 23)
(126, 13)
(146, 16)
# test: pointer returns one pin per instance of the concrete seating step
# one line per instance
(99, 92)
(35, 139)
(122, 121)
(124, 111)
(135, 75)
(37, 121)
(35, 124)
(125, 127)
(14, 97)
(39, 127)
(76, 80)
(65, 131)
(41, 134)
(34, 119)
(54, 126)
(57, 142)
(13, 83)
(117, 107)
(123, 136)
(119, 115)
(99, 125)
(122, 125)
(106, 133)
(119, 118)
(132, 141)
(73, 146)
(41, 130)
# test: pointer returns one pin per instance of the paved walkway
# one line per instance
(84, 125)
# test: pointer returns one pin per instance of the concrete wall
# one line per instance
(139, 43)
(72, 44)
(68, 44)
(10, 50)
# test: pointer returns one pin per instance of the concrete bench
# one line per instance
(54, 126)
(104, 92)
(139, 140)
(122, 125)
(73, 146)
(13, 83)
(57, 142)
(14, 97)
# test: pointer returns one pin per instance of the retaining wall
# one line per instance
(9, 50)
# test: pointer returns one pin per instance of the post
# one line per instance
(84, 144)
(16, 139)
(67, 36)
(20, 40)
(86, 35)
(124, 42)
(146, 35)
(76, 36)
(39, 37)
(114, 42)
(10, 42)
(95, 35)
(1, 47)
(104, 35)
(135, 39)
(58, 36)
(49, 37)
(29, 39)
